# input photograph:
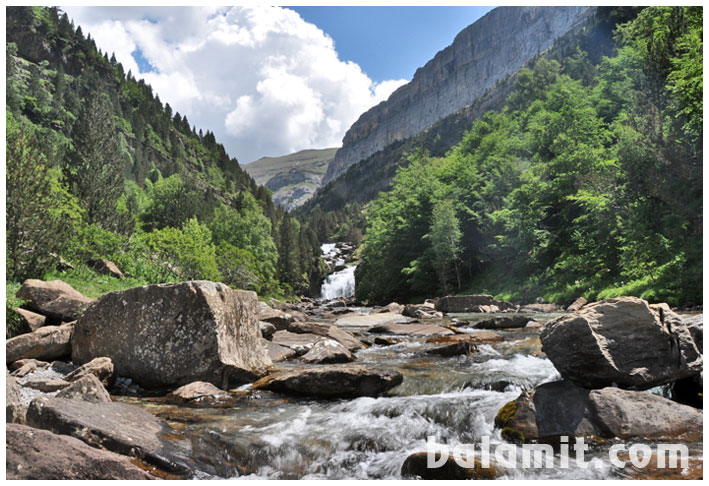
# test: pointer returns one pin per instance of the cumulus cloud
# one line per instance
(262, 79)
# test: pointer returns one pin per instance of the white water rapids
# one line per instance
(339, 284)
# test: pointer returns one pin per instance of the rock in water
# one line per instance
(46, 343)
(118, 427)
(504, 322)
(469, 303)
(198, 391)
(55, 299)
(327, 331)
(623, 342)
(328, 351)
(332, 381)
(417, 465)
(561, 408)
(40, 454)
(173, 334)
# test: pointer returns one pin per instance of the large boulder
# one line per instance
(39, 454)
(117, 427)
(469, 303)
(561, 408)
(695, 324)
(503, 322)
(46, 344)
(410, 330)
(173, 334)
(56, 299)
(623, 342)
(88, 388)
(332, 381)
(328, 331)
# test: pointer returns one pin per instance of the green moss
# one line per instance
(505, 414)
(512, 435)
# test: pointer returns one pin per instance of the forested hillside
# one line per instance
(588, 182)
(98, 167)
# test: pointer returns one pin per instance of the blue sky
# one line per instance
(391, 42)
(270, 81)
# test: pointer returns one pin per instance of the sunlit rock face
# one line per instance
(483, 53)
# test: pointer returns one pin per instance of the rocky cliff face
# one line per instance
(481, 54)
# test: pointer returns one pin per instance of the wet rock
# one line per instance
(417, 465)
(545, 308)
(299, 343)
(267, 329)
(454, 349)
(106, 267)
(46, 343)
(46, 385)
(621, 341)
(15, 411)
(410, 330)
(576, 305)
(474, 337)
(117, 427)
(30, 321)
(101, 368)
(40, 454)
(88, 388)
(328, 331)
(332, 381)
(55, 299)
(328, 351)
(173, 334)
(381, 341)
(278, 353)
(199, 391)
(469, 303)
(695, 325)
(228, 456)
(563, 409)
(504, 322)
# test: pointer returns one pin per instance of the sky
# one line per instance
(270, 81)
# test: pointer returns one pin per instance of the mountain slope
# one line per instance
(292, 178)
(482, 54)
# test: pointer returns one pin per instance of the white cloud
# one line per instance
(262, 79)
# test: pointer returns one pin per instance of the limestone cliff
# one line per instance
(481, 54)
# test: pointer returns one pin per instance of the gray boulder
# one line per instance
(46, 344)
(56, 299)
(39, 454)
(173, 334)
(278, 353)
(117, 427)
(332, 381)
(88, 388)
(623, 342)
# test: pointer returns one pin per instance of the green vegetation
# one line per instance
(588, 182)
(98, 167)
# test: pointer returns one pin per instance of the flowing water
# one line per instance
(339, 284)
(272, 436)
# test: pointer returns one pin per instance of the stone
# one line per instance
(173, 334)
(47, 385)
(482, 336)
(328, 331)
(101, 368)
(533, 325)
(410, 330)
(394, 308)
(15, 411)
(24, 367)
(46, 343)
(503, 322)
(198, 391)
(622, 342)
(469, 303)
(118, 427)
(328, 351)
(88, 388)
(454, 349)
(695, 325)
(39, 454)
(267, 329)
(543, 308)
(276, 317)
(278, 353)
(417, 465)
(561, 408)
(358, 320)
(576, 305)
(56, 299)
(30, 320)
(332, 381)
(299, 343)
(106, 267)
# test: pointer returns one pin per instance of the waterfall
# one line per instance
(339, 284)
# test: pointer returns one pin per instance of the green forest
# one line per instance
(99, 168)
(588, 182)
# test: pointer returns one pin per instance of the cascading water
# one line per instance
(340, 284)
